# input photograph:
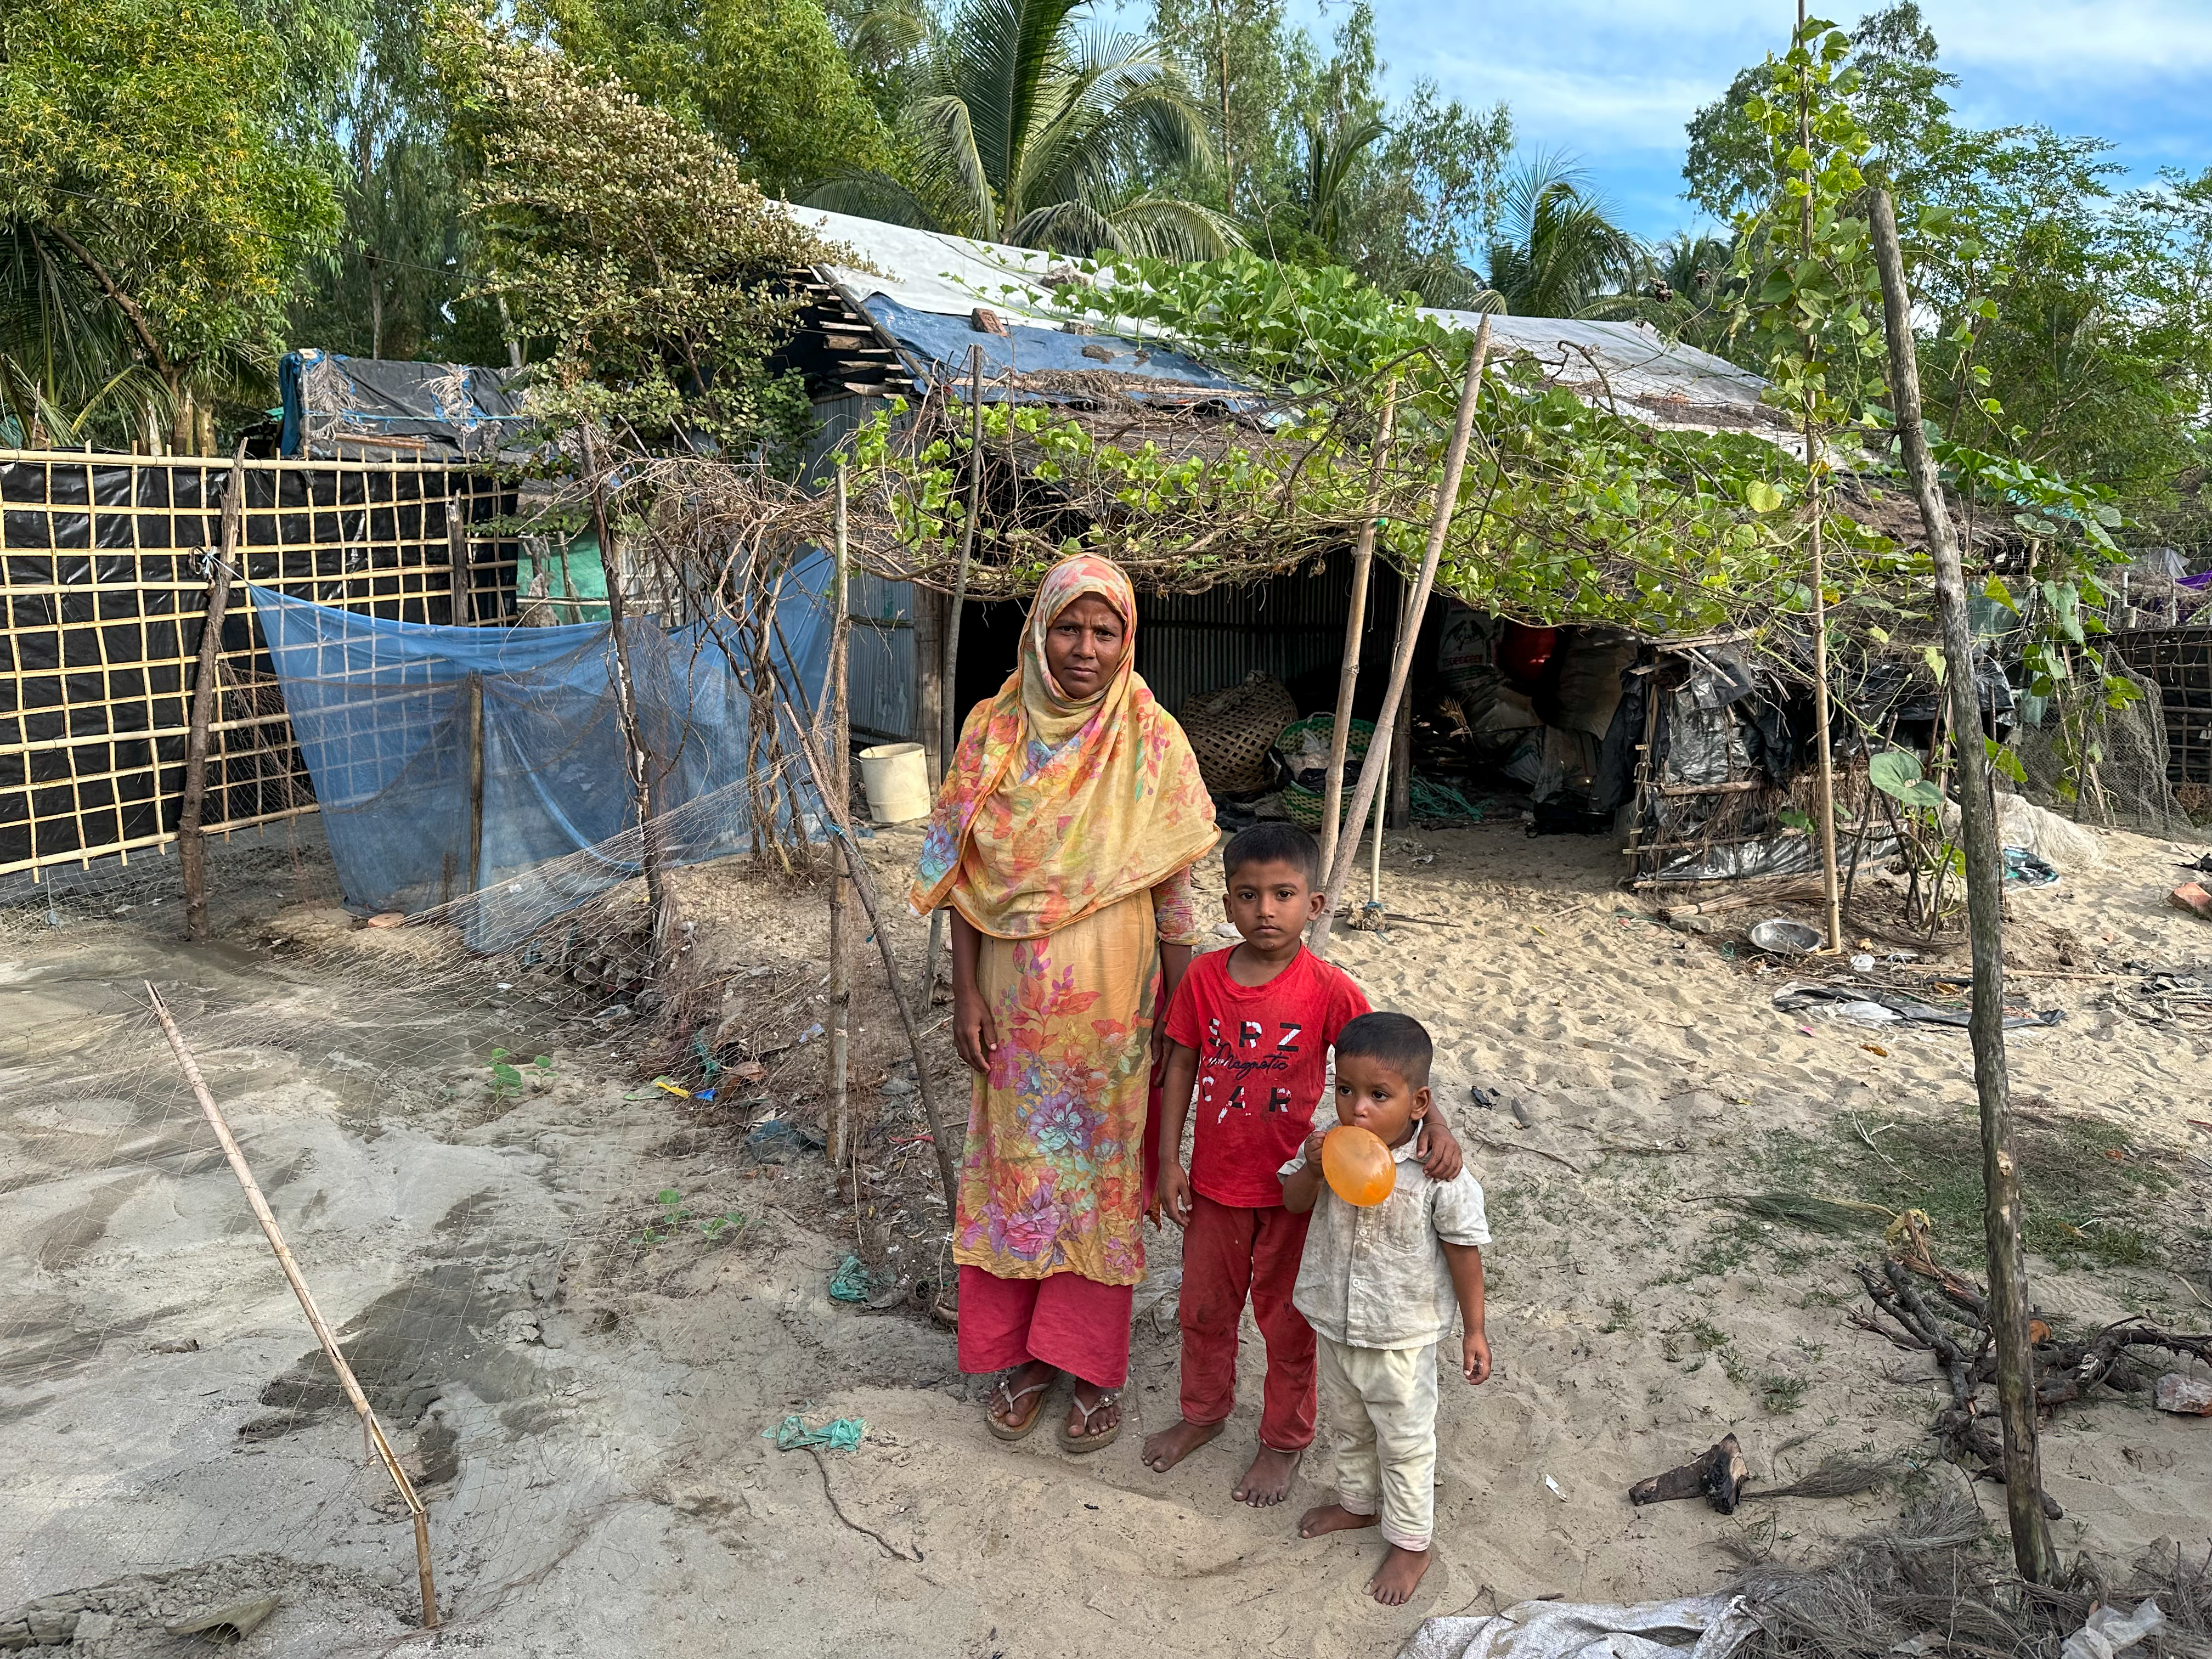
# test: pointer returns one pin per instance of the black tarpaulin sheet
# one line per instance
(335, 403)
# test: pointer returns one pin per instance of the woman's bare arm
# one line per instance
(974, 1033)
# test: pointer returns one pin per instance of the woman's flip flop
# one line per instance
(1009, 1399)
(1081, 1444)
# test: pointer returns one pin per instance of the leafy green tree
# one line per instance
(393, 284)
(887, 42)
(769, 79)
(2076, 334)
(1893, 91)
(153, 186)
(2070, 331)
(1024, 130)
(637, 256)
(1321, 167)
(1561, 253)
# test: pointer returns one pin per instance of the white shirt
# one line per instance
(1376, 1277)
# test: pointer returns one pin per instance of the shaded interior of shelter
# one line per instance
(1696, 755)
(1514, 721)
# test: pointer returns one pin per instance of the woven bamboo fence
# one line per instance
(105, 568)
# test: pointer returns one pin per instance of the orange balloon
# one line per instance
(1357, 1165)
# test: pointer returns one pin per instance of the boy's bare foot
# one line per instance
(1164, 1451)
(1333, 1517)
(1394, 1584)
(1268, 1482)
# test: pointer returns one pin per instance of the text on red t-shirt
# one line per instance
(1262, 1062)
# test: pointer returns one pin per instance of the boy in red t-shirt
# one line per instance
(1250, 1028)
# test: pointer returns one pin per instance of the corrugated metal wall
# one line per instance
(1291, 627)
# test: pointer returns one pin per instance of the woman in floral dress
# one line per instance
(1062, 840)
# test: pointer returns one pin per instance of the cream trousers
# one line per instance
(1379, 1405)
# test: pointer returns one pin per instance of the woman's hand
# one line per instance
(974, 1033)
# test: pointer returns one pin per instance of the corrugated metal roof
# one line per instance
(1625, 366)
(1628, 364)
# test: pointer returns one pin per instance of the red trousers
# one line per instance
(1075, 1323)
(1229, 1252)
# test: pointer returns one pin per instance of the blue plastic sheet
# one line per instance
(394, 719)
(942, 343)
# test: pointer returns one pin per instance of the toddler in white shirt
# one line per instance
(1379, 1285)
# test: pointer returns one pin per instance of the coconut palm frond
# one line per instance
(1026, 130)
(1562, 252)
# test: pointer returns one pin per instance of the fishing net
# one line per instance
(456, 761)
(2108, 766)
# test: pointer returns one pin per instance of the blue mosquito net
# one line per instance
(398, 721)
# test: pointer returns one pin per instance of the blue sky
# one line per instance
(1614, 83)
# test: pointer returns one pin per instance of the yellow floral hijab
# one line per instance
(1052, 809)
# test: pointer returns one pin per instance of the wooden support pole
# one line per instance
(472, 716)
(1985, 859)
(840, 1134)
(863, 886)
(1447, 504)
(463, 607)
(192, 842)
(641, 781)
(928, 605)
(1824, 794)
(372, 1429)
(1355, 625)
(950, 739)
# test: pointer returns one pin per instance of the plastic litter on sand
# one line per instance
(839, 1434)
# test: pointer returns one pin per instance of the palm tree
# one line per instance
(1562, 254)
(1024, 130)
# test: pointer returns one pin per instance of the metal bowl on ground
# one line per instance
(1783, 937)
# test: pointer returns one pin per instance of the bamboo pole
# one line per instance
(1401, 739)
(1355, 625)
(463, 608)
(2000, 1201)
(370, 1427)
(843, 1141)
(1370, 774)
(950, 739)
(191, 843)
(1823, 795)
(863, 885)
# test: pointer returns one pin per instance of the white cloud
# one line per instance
(2077, 44)
(1585, 111)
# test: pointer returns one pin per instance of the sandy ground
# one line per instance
(584, 1400)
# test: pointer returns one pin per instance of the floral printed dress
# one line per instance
(1057, 1169)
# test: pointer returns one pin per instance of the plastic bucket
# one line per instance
(897, 783)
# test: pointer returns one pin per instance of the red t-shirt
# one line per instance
(1262, 1061)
